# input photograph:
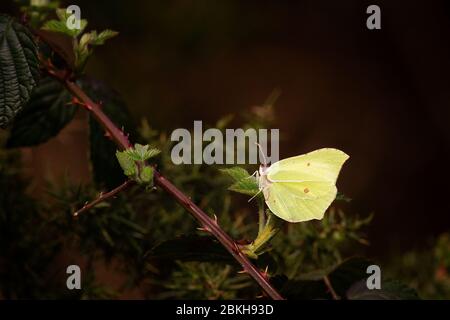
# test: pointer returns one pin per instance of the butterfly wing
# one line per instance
(290, 202)
(302, 188)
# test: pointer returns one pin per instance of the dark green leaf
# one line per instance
(60, 43)
(19, 68)
(106, 169)
(191, 248)
(341, 277)
(300, 289)
(390, 290)
(47, 112)
(244, 183)
(347, 273)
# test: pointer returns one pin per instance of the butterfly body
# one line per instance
(301, 188)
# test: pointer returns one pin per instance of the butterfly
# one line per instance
(301, 188)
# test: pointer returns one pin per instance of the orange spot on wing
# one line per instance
(306, 190)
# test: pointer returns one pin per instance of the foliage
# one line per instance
(427, 270)
(48, 111)
(18, 68)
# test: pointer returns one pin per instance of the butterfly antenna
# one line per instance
(255, 195)
(262, 152)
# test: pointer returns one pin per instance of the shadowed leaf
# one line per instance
(47, 112)
(19, 68)
(106, 170)
(191, 248)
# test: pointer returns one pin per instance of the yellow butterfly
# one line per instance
(301, 188)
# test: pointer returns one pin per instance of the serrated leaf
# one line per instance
(44, 116)
(139, 151)
(191, 248)
(128, 165)
(61, 24)
(244, 183)
(19, 68)
(142, 152)
(106, 170)
(61, 27)
(236, 173)
(246, 186)
(390, 290)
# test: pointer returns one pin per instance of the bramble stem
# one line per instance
(104, 197)
(206, 222)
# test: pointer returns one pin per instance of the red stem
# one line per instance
(104, 197)
(207, 223)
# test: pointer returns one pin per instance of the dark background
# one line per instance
(382, 96)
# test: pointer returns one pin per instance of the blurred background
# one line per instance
(382, 96)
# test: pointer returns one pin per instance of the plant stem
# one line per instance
(207, 223)
(104, 197)
(261, 217)
(267, 233)
(330, 288)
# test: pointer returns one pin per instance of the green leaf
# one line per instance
(19, 68)
(244, 183)
(190, 248)
(142, 152)
(128, 165)
(106, 170)
(60, 25)
(45, 115)
(390, 290)
(134, 158)
(103, 36)
(236, 173)
(146, 175)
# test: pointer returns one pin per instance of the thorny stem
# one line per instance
(104, 197)
(330, 288)
(206, 222)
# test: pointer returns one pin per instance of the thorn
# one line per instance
(75, 101)
(242, 272)
(265, 273)
(203, 229)
(215, 219)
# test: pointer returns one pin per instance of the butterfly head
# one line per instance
(263, 169)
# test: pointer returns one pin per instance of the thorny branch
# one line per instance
(207, 224)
